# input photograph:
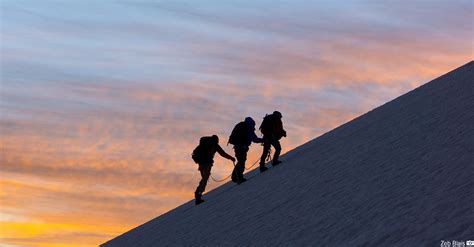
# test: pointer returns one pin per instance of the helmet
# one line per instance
(278, 114)
(250, 122)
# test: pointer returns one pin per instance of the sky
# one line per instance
(102, 102)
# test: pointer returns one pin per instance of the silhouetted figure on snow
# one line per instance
(272, 130)
(203, 155)
(242, 137)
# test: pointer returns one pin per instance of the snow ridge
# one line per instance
(401, 174)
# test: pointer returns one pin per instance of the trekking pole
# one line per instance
(222, 180)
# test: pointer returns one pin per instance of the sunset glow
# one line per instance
(102, 102)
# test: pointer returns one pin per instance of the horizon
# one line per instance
(103, 103)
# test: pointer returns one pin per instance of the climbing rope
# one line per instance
(254, 163)
(257, 161)
(268, 158)
(222, 180)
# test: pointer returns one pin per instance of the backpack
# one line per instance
(267, 125)
(197, 154)
(239, 135)
(202, 150)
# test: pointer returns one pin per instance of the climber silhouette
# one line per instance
(242, 137)
(272, 130)
(203, 155)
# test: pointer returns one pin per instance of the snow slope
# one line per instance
(401, 175)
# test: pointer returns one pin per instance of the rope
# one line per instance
(222, 180)
(254, 163)
(268, 158)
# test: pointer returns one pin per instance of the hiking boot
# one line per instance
(199, 199)
(241, 180)
(263, 168)
(276, 162)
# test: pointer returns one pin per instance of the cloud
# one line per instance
(102, 107)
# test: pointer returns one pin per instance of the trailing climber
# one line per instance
(203, 155)
(272, 130)
(242, 137)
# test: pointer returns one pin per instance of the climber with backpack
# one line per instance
(242, 137)
(272, 130)
(203, 155)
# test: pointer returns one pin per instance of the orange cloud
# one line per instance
(96, 139)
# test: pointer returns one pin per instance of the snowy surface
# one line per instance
(402, 175)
